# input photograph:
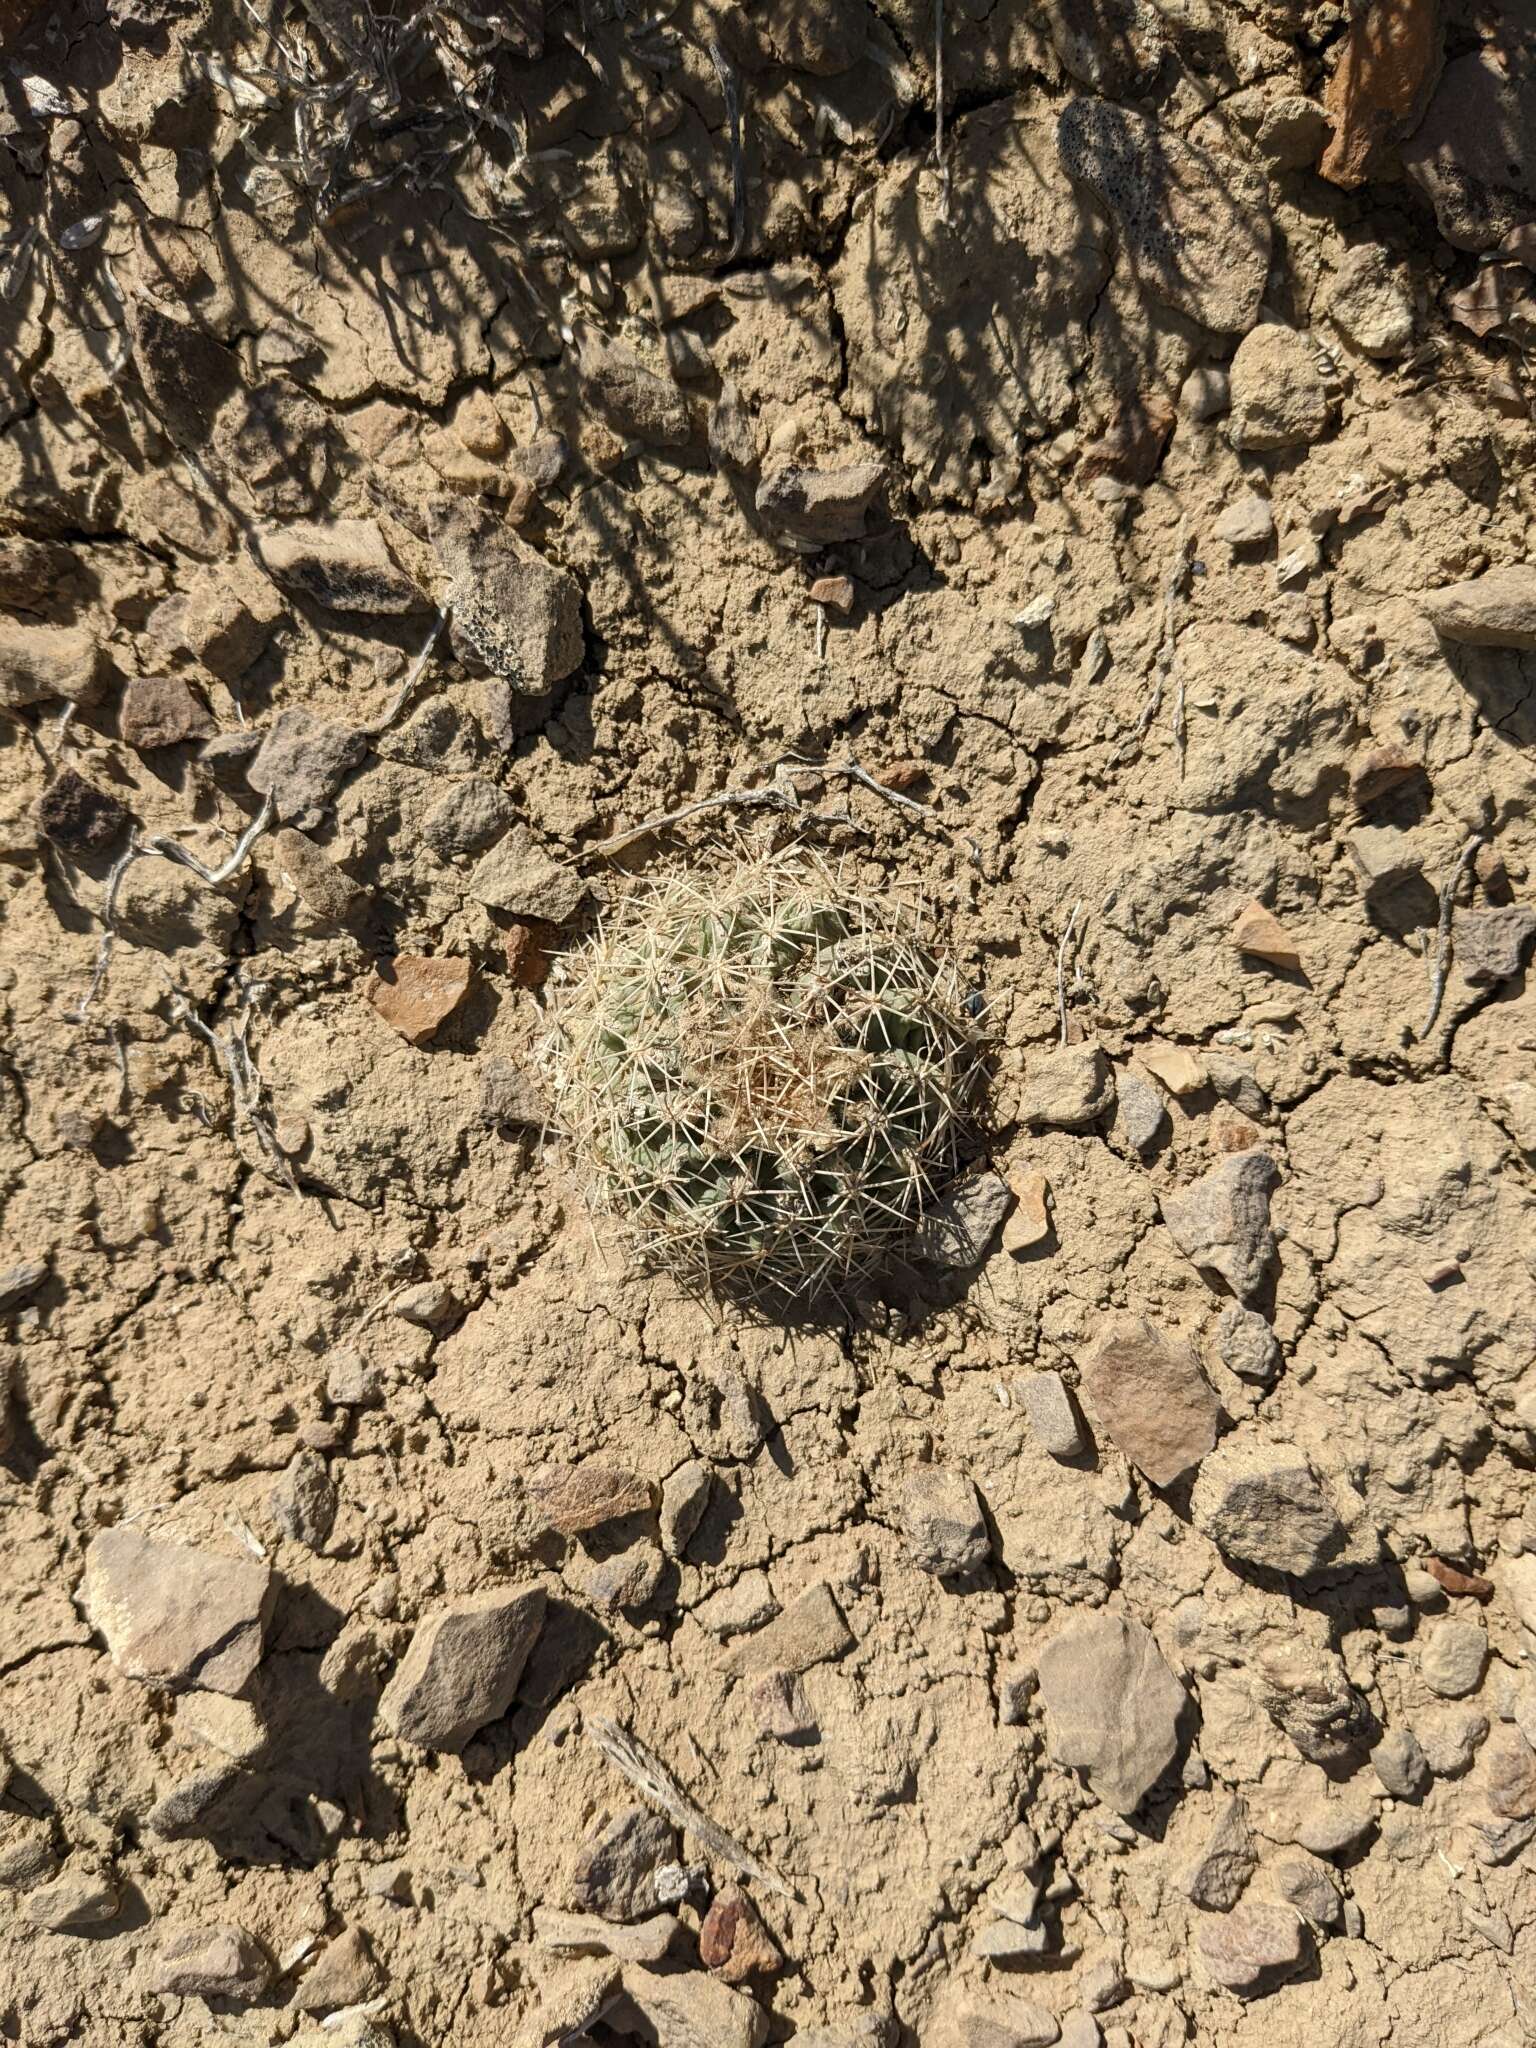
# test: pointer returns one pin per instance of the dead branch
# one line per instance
(1061, 970)
(1444, 946)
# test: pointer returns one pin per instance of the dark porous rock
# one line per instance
(634, 400)
(515, 615)
(186, 372)
(78, 817)
(303, 1502)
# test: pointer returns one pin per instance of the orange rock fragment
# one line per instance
(1260, 932)
(414, 994)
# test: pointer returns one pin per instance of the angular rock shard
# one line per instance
(176, 1614)
(1152, 1399)
(462, 1668)
(1112, 1706)
(1221, 1221)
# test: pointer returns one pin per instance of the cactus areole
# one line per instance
(765, 1075)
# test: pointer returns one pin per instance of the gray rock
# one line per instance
(1489, 945)
(1247, 522)
(588, 1934)
(628, 1579)
(1452, 1657)
(1206, 392)
(20, 1283)
(1081, 2030)
(1253, 1948)
(684, 1497)
(734, 441)
(1067, 1090)
(1112, 1706)
(196, 1805)
(515, 615)
(1308, 1885)
(1279, 399)
(942, 1519)
(1263, 1503)
(229, 615)
(1193, 227)
(1496, 609)
(174, 1614)
(1332, 1827)
(1219, 1875)
(429, 1305)
(1450, 1738)
(343, 565)
(354, 1381)
(694, 2010)
(462, 1667)
(212, 1720)
(1509, 1775)
(746, 1603)
(821, 505)
(470, 817)
(1369, 303)
(614, 1874)
(1017, 1685)
(1246, 1344)
(212, 1961)
(1007, 1941)
(303, 1502)
(1399, 1762)
(509, 1099)
(161, 711)
(1221, 1221)
(959, 1231)
(319, 883)
(302, 763)
(1307, 1694)
(1151, 1398)
(74, 1899)
(1141, 1115)
(518, 877)
(27, 1853)
(1051, 1414)
(811, 1630)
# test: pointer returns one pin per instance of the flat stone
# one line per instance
(343, 565)
(1509, 1775)
(218, 1960)
(995, 2019)
(811, 1630)
(1067, 1090)
(344, 1973)
(836, 592)
(18, 1284)
(48, 664)
(1263, 1504)
(73, 1900)
(1221, 1221)
(1378, 771)
(1180, 1071)
(746, 1603)
(1332, 1827)
(958, 1232)
(78, 816)
(628, 1579)
(415, 995)
(175, 1614)
(614, 1874)
(317, 881)
(517, 876)
(1246, 1344)
(634, 400)
(1279, 399)
(1369, 304)
(1308, 1885)
(211, 1720)
(471, 817)
(229, 616)
(514, 614)
(161, 711)
(1219, 1875)
(1152, 1399)
(570, 2001)
(942, 1520)
(733, 1942)
(303, 1502)
(781, 1707)
(1472, 155)
(302, 763)
(1052, 1414)
(1248, 522)
(1112, 1706)
(589, 1934)
(1193, 226)
(1253, 1948)
(1450, 1738)
(1452, 1657)
(1380, 86)
(195, 1805)
(1489, 945)
(684, 1497)
(1399, 1762)
(1028, 1223)
(1259, 932)
(462, 1667)
(1141, 1115)
(1496, 609)
(574, 1498)
(1008, 1941)
(821, 505)
(693, 2010)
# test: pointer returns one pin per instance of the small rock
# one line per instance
(782, 1709)
(1377, 94)
(1496, 609)
(211, 1720)
(694, 2010)
(1263, 1503)
(1141, 1115)
(733, 1942)
(574, 1498)
(216, 1961)
(746, 1603)
(1221, 1221)
(44, 664)
(301, 764)
(1470, 156)
(344, 1973)
(1081, 2030)
(229, 615)
(1509, 1775)
(822, 505)
(529, 947)
(1308, 1885)
(515, 615)
(1051, 1414)
(414, 995)
(958, 1232)
(480, 426)
(1278, 396)
(509, 1099)
(303, 1502)
(734, 440)
(1379, 771)
(1369, 304)
(1068, 1090)
(1489, 945)
(1452, 1658)
(1468, 1585)
(1248, 522)
(1016, 1687)
(1180, 1072)
(172, 1613)
(1450, 1738)
(684, 1497)
(78, 816)
(27, 1853)
(470, 817)
(354, 1382)
(1102, 1986)
(1307, 1694)
(1205, 393)
(1028, 1223)
(1218, 1877)
(1260, 932)
(1253, 1948)
(996, 2019)
(75, 1899)
(1400, 1764)
(1246, 1344)
(462, 1667)
(1332, 1827)
(811, 1630)
(161, 711)
(836, 592)
(634, 400)
(518, 877)
(614, 1874)
(197, 1804)
(571, 2001)
(1113, 1706)
(945, 1528)
(1152, 1400)
(18, 1284)
(318, 882)
(344, 566)
(628, 1579)
(1009, 1941)
(429, 1305)
(588, 1934)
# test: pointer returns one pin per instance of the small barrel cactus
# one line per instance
(765, 1075)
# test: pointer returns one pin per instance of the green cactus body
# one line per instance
(765, 1075)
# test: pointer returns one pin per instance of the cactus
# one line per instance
(765, 1074)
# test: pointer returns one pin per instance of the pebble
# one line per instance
(317, 881)
(429, 1305)
(343, 565)
(634, 400)
(746, 1603)
(176, 1614)
(27, 1853)
(509, 1099)
(1509, 1774)
(515, 615)
(1141, 1115)
(1279, 399)
(519, 878)
(354, 1381)
(958, 1232)
(1332, 1827)
(1028, 1223)
(811, 1630)
(1051, 1414)
(1262, 1502)
(1248, 522)
(211, 1720)
(1219, 1875)
(1151, 1398)
(1496, 609)
(1369, 304)
(1489, 945)
(684, 1497)
(694, 2010)
(1007, 1941)
(629, 1579)
(473, 814)
(942, 1519)
(821, 505)
(575, 1498)
(73, 1900)
(1246, 1344)
(835, 591)
(1112, 1706)
(733, 1942)
(303, 1502)
(462, 1667)
(1206, 393)
(1103, 1985)
(1259, 932)
(1253, 1948)
(1452, 1657)
(995, 2019)
(344, 1973)
(1179, 1070)
(18, 1283)
(415, 995)
(78, 816)
(1450, 1738)
(1221, 1221)
(572, 2000)
(301, 764)
(1067, 1090)
(215, 1961)
(781, 1707)
(1150, 1970)
(1305, 1883)
(161, 711)
(1400, 1764)
(1080, 2030)
(196, 1804)
(614, 1874)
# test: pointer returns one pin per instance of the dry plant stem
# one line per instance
(648, 1774)
(1173, 587)
(407, 689)
(1443, 943)
(232, 1052)
(939, 156)
(732, 93)
(1061, 970)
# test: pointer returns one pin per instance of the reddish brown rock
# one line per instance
(413, 994)
(528, 953)
(161, 711)
(1379, 771)
(1510, 1765)
(174, 1614)
(733, 1942)
(78, 816)
(1152, 1400)
(573, 1498)
(1380, 86)
(1253, 1948)
(1259, 932)
(1455, 1581)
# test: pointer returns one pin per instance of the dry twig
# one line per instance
(1061, 970)
(1444, 947)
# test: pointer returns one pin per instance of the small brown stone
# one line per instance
(1152, 1399)
(1455, 1581)
(1232, 1132)
(902, 775)
(836, 591)
(78, 816)
(1180, 1072)
(1375, 774)
(733, 1942)
(161, 711)
(1029, 1221)
(782, 1709)
(527, 953)
(573, 1498)
(1510, 1764)
(1259, 932)
(1380, 86)
(413, 994)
